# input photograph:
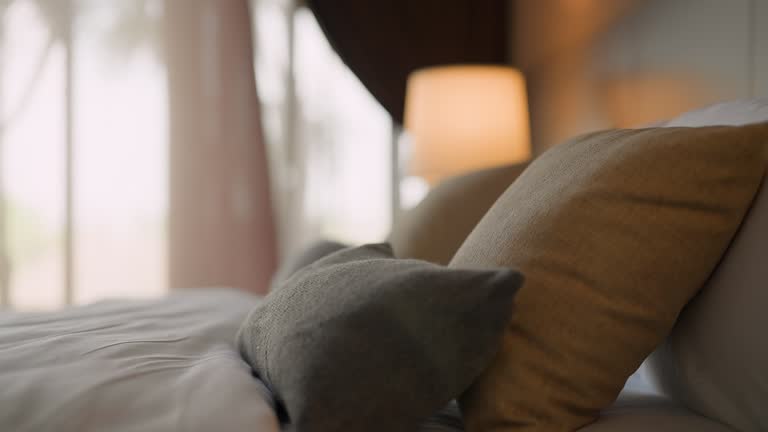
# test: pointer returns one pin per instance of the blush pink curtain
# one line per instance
(221, 227)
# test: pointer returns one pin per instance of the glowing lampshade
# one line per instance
(465, 117)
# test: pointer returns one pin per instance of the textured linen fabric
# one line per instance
(615, 231)
(360, 341)
(165, 365)
(439, 224)
(715, 361)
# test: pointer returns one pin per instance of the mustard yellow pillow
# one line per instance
(615, 232)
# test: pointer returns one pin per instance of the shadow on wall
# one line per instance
(641, 99)
(592, 66)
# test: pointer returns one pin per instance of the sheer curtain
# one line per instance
(221, 221)
(131, 156)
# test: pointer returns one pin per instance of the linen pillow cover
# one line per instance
(615, 232)
(361, 341)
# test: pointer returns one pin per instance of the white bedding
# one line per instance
(132, 366)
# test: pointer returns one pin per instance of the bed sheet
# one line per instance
(132, 365)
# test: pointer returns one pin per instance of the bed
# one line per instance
(172, 364)
(132, 365)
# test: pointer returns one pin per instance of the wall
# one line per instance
(593, 63)
(760, 36)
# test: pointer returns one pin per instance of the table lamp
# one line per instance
(461, 118)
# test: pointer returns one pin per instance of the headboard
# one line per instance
(593, 64)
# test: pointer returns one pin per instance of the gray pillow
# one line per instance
(360, 340)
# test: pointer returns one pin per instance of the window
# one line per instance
(84, 145)
(329, 135)
(113, 99)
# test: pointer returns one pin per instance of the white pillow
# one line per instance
(733, 113)
(715, 360)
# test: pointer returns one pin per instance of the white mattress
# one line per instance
(131, 366)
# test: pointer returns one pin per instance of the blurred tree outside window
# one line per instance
(119, 146)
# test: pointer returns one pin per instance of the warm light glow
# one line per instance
(463, 118)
